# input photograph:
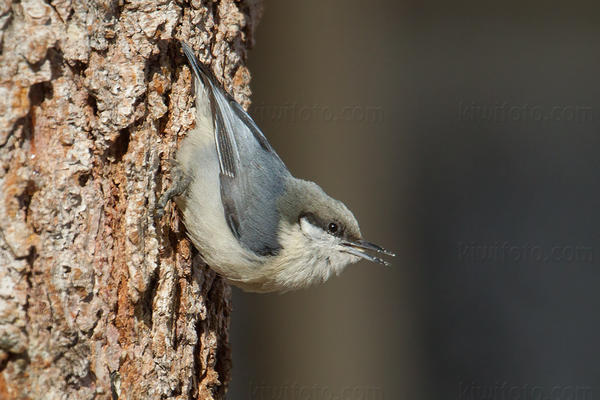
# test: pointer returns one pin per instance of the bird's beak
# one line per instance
(360, 247)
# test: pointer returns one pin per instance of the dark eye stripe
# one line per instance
(324, 224)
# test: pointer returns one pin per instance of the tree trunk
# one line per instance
(98, 297)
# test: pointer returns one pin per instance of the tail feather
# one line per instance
(224, 139)
(199, 69)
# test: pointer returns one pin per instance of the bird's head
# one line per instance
(320, 235)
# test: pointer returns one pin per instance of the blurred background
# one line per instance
(465, 137)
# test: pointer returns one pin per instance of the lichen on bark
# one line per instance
(98, 297)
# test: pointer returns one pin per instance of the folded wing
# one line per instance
(252, 175)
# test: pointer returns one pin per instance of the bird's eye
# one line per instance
(332, 228)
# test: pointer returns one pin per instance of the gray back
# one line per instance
(252, 175)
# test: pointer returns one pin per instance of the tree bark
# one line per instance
(98, 297)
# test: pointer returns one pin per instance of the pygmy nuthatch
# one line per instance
(254, 223)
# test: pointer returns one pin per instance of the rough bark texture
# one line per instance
(98, 298)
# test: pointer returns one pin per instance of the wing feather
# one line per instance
(252, 175)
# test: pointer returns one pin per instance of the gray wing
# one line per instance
(252, 175)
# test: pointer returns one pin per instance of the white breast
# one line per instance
(201, 205)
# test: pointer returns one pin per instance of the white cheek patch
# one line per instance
(312, 231)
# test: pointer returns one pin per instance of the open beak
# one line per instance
(360, 247)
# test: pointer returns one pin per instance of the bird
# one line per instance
(254, 223)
